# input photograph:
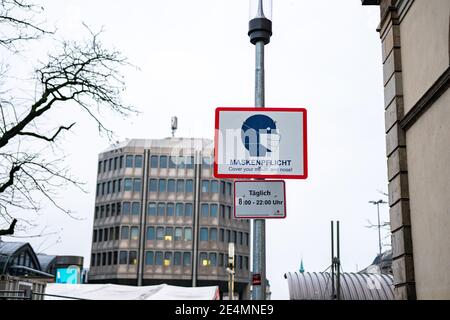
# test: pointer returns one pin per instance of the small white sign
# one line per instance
(259, 199)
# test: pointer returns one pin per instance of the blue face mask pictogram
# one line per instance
(260, 135)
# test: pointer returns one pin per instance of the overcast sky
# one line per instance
(194, 56)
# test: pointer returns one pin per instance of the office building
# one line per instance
(161, 217)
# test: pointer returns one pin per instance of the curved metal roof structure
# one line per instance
(354, 286)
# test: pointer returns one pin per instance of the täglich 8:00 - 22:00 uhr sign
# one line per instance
(261, 143)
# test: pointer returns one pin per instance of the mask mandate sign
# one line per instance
(261, 143)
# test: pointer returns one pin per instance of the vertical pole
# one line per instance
(338, 262)
(195, 231)
(259, 225)
(143, 220)
(332, 261)
(379, 227)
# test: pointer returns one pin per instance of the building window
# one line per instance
(214, 186)
(94, 236)
(138, 161)
(228, 236)
(99, 259)
(186, 259)
(163, 162)
(150, 233)
(170, 209)
(100, 235)
(128, 184)
(137, 185)
(177, 259)
(246, 263)
(229, 212)
(153, 185)
(167, 259)
(104, 259)
(136, 208)
(159, 258)
(129, 161)
(245, 241)
(162, 185)
(126, 208)
(222, 235)
(109, 187)
(123, 257)
(203, 257)
(171, 185)
(110, 162)
(213, 234)
(203, 234)
(229, 188)
(119, 182)
(205, 186)
(124, 235)
(119, 208)
(160, 233)
(180, 186)
(179, 209)
(207, 162)
(134, 233)
(169, 234)
(132, 258)
(113, 209)
(172, 162)
(190, 162)
(240, 262)
(151, 209)
(161, 209)
(99, 170)
(181, 163)
(105, 234)
(149, 258)
(116, 160)
(222, 211)
(93, 260)
(213, 210)
(105, 163)
(117, 233)
(178, 234)
(205, 210)
(240, 238)
(107, 211)
(189, 186)
(233, 239)
(222, 187)
(115, 256)
(187, 234)
(154, 162)
(220, 263)
(188, 208)
(109, 258)
(121, 162)
(213, 259)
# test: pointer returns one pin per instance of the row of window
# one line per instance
(168, 258)
(116, 163)
(168, 209)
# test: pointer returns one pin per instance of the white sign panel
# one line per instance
(261, 143)
(259, 199)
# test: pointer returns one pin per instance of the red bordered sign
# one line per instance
(261, 143)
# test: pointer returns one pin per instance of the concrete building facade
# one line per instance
(415, 36)
(161, 217)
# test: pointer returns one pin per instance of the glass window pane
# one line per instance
(189, 186)
(153, 185)
(134, 233)
(181, 163)
(172, 162)
(178, 234)
(213, 210)
(167, 259)
(186, 259)
(159, 258)
(124, 235)
(177, 259)
(188, 210)
(129, 161)
(180, 186)
(136, 208)
(137, 185)
(170, 209)
(187, 234)
(213, 259)
(222, 235)
(162, 185)
(171, 185)
(207, 162)
(149, 258)
(128, 184)
(229, 188)
(160, 233)
(205, 186)
(190, 162)
(138, 161)
(163, 161)
(203, 234)
(154, 162)
(151, 210)
(179, 210)
(161, 209)
(213, 234)
(123, 257)
(203, 257)
(126, 208)
(132, 258)
(169, 234)
(214, 186)
(121, 162)
(150, 233)
(222, 187)
(205, 209)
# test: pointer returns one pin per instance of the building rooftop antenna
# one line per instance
(174, 124)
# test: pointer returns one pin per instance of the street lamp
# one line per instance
(377, 203)
(260, 31)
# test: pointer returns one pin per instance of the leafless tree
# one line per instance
(85, 76)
